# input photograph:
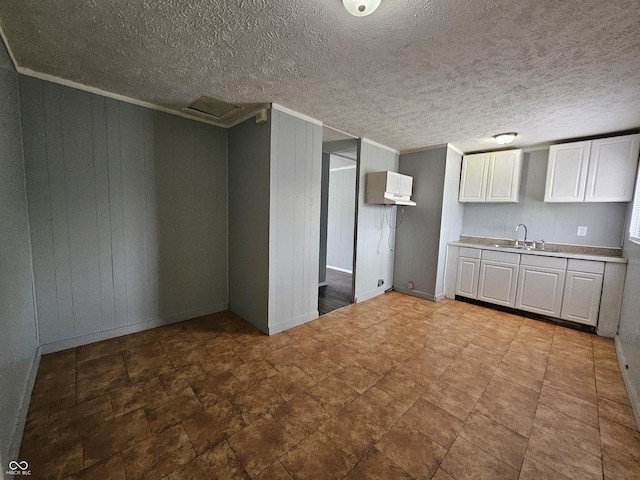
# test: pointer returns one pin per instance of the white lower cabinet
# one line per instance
(570, 289)
(582, 290)
(468, 272)
(540, 285)
(498, 277)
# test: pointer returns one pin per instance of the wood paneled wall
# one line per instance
(249, 184)
(18, 333)
(341, 217)
(294, 220)
(128, 214)
(374, 256)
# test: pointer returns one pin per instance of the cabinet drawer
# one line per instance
(469, 252)
(504, 257)
(545, 262)
(587, 266)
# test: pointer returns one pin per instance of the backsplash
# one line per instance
(552, 222)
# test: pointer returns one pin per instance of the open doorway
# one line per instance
(337, 222)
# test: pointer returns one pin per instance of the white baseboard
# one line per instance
(338, 269)
(369, 295)
(127, 329)
(294, 322)
(633, 395)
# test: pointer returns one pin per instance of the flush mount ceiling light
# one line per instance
(504, 138)
(360, 8)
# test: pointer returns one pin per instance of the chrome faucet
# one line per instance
(525, 232)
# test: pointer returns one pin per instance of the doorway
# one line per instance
(337, 223)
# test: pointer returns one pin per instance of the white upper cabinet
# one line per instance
(473, 182)
(491, 177)
(567, 172)
(612, 169)
(593, 171)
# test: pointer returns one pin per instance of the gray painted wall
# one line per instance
(341, 213)
(553, 222)
(418, 237)
(324, 212)
(18, 331)
(128, 214)
(628, 338)
(427, 228)
(249, 170)
(294, 220)
(374, 257)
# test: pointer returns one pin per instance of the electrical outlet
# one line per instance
(582, 231)
(410, 285)
(380, 282)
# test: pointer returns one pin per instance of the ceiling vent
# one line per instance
(217, 109)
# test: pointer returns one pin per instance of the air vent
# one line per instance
(213, 107)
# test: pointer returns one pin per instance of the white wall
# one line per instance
(341, 213)
(628, 337)
(553, 222)
(128, 214)
(294, 220)
(374, 258)
(18, 331)
(452, 215)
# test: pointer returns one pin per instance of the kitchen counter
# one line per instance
(546, 253)
(602, 280)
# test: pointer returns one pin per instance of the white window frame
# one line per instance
(634, 224)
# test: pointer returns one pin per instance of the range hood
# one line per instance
(389, 188)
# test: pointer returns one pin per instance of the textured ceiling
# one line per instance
(412, 74)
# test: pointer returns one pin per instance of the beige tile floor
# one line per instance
(392, 388)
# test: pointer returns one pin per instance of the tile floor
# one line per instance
(392, 388)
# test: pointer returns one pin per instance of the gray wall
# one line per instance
(341, 213)
(628, 338)
(294, 220)
(374, 257)
(128, 214)
(553, 222)
(18, 331)
(249, 170)
(418, 237)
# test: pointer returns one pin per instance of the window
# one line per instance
(634, 227)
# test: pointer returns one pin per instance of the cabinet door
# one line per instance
(540, 290)
(473, 182)
(497, 283)
(567, 172)
(612, 169)
(467, 280)
(582, 297)
(503, 181)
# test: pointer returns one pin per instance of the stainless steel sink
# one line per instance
(522, 247)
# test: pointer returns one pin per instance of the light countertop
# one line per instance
(544, 253)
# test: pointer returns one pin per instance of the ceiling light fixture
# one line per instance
(360, 8)
(504, 138)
